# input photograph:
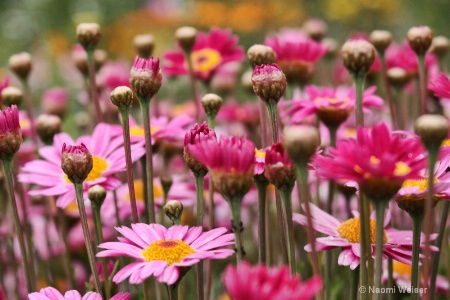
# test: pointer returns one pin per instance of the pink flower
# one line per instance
(163, 252)
(246, 282)
(345, 235)
(114, 74)
(377, 160)
(50, 293)
(440, 86)
(211, 51)
(332, 105)
(9, 120)
(260, 159)
(55, 101)
(404, 57)
(269, 82)
(108, 160)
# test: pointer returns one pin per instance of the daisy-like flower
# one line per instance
(397, 243)
(210, 51)
(50, 293)
(246, 282)
(440, 86)
(108, 159)
(377, 160)
(165, 253)
(296, 53)
(332, 105)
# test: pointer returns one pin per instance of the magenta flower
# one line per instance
(114, 74)
(165, 253)
(440, 86)
(404, 57)
(108, 160)
(10, 132)
(246, 282)
(377, 160)
(50, 293)
(197, 134)
(279, 169)
(55, 101)
(260, 159)
(210, 51)
(332, 105)
(269, 82)
(397, 243)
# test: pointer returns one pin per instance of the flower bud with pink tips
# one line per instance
(145, 77)
(269, 82)
(76, 162)
(10, 133)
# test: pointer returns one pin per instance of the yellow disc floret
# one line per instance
(205, 60)
(170, 251)
(349, 230)
(401, 268)
(99, 165)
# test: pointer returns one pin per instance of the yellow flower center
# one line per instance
(332, 100)
(205, 60)
(24, 123)
(401, 268)
(139, 190)
(99, 165)
(260, 153)
(138, 131)
(349, 230)
(170, 251)
(72, 208)
(401, 169)
(421, 184)
(446, 143)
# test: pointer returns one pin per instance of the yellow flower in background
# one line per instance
(350, 10)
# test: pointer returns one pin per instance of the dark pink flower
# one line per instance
(197, 134)
(278, 167)
(10, 133)
(440, 86)
(404, 57)
(246, 282)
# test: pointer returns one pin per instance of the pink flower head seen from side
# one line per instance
(50, 293)
(440, 86)
(377, 160)
(10, 133)
(197, 134)
(210, 51)
(145, 77)
(269, 82)
(278, 167)
(165, 253)
(260, 282)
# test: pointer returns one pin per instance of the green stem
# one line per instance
(98, 228)
(192, 79)
(368, 239)
(272, 111)
(66, 254)
(29, 109)
(145, 290)
(211, 121)
(354, 284)
(380, 206)
(417, 230)
(436, 255)
(199, 183)
(93, 85)
(422, 104)
(87, 236)
(173, 291)
(363, 276)
(358, 81)
(145, 107)
(388, 91)
(287, 201)
(390, 278)
(261, 185)
(235, 207)
(129, 163)
(17, 225)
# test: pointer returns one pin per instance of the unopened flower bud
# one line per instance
(432, 129)
(166, 183)
(440, 46)
(55, 101)
(186, 37)
(212, 104)
(397, 76)
(261, 55)
(419, 39)
(197, 134)
(316, 29)
(80, 60)
(21, 64)
(269, 82)
(301, 142)
(11, 96)
(76, 162)
(358, 56)
(97, 195)
(145, 77)
(88, 35)
(278, 168)
(47, 126)
(122, 97)
(174, 211)
(10, 133)
(144, 45)
(380, 39)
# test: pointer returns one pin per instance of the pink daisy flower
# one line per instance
(440, 86)
(246, 282)
(211, 51)
(397, 243)
(108, 159)
(377, 160)
(50, 293)
(332, 104)
(165, 253)
(114, 74)
(404, 57)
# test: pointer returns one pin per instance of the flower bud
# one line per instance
(10, 133)
(80, 60)
(397, 76)
(97, 195)
(145, 77)
(380, 39)
(55, 101)
(144, 45)
(432, 129)
(440, 46)
(122, 97)
(420, 38)
(278, 168)
(197, 134)
(186, 37)
(76, 162)
(301, 142)
(212, 104)
(174, 210)
(316, 29)
(47, 126)
(358, 56)
(269, 82)
(261, 55)
(88, 35)
(166, 183)
(11, 96)
(21, 64)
